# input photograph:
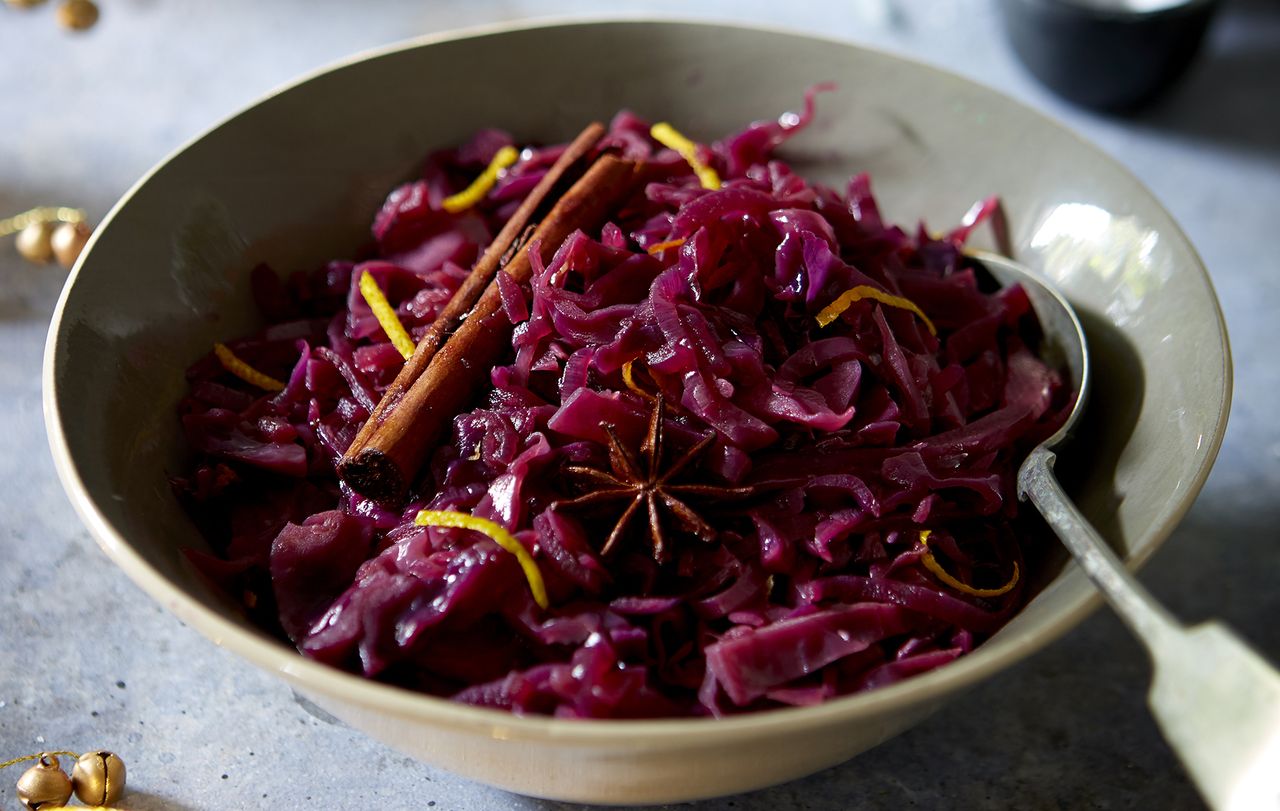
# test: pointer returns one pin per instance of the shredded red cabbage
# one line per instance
(855, 436)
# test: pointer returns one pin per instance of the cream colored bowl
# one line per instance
(295, 179)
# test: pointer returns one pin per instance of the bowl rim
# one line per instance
(322, 680)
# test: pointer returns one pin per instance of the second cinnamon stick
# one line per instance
(466, 296)
(402, 432)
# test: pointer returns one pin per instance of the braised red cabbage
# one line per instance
(854, 438)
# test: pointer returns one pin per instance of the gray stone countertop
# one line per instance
(86, 660)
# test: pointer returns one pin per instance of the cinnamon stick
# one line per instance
(411, 418)
(571, 161)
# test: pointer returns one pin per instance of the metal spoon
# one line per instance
(1215, 698)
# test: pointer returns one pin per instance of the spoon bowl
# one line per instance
(1064, 344)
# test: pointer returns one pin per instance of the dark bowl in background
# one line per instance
(1107, 54)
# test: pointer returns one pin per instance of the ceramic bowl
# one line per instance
(295, 179)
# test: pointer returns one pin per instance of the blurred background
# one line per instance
(87, 661)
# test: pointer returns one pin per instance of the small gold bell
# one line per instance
(98, 778)
(35, 242)
(24, 3)
(68, 241)
(44, 785)
(77, 15)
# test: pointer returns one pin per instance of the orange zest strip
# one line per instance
(244, 371)
(499, 535)
(671, 138)
(659, 247)
(629, 379)
(386, 315)
(479, 187)
(846, 299)
(931, 563)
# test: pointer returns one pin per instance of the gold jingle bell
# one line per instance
(35, 242)
(98, 778)
(44, 785)
(68, 241)
(77, 15)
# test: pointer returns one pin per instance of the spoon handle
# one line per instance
(1217, 700)
(1148, 620)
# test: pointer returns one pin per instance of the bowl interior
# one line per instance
(295, 180)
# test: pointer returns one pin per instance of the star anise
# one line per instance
(647, 487)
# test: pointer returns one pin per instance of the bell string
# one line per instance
(14, 224)
(36, 756)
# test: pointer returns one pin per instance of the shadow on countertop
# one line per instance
(146, 801)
